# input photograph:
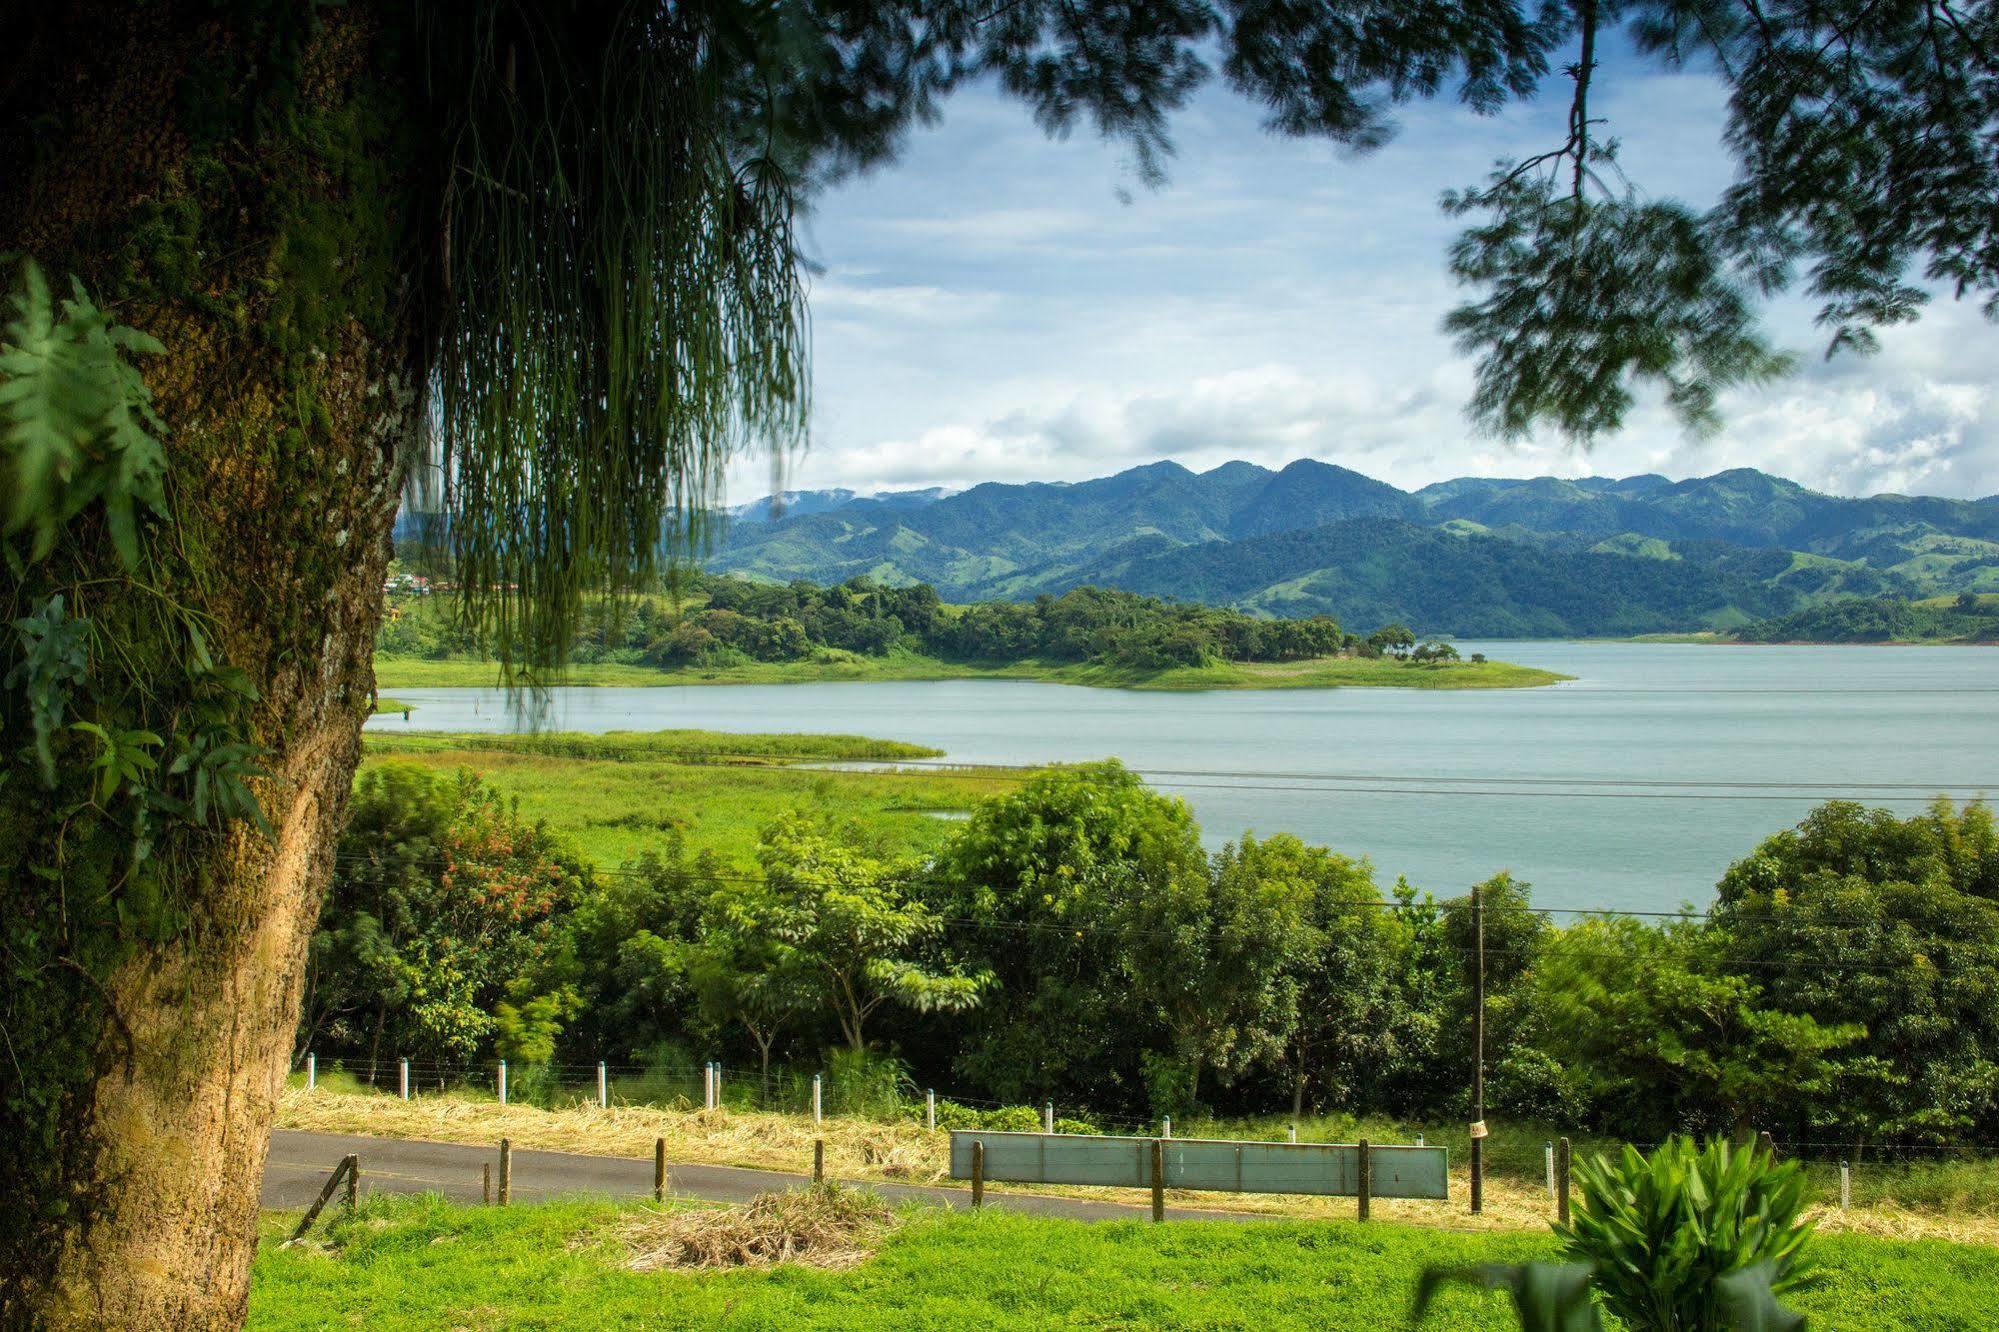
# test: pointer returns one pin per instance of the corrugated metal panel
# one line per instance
(1215, 1165)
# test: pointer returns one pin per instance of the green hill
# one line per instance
(1594, 555)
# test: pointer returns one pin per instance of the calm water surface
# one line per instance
(1633, 786)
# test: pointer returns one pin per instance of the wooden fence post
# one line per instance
(347, 1164)
(978, 1174)
(1364, 1185)
(818, 1160)
(1562, 1180)
(403, 1078)
(486, 1183)
(353, 1184)
(659, 1170)
(1158, 1180)
(506, 1170)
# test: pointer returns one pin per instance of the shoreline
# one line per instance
(1323, 673)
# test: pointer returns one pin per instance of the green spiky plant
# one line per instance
(1688, 1239)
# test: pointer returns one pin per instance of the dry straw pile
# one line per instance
(826, 1226)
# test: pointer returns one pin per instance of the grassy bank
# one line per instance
(1323, 673)
(419, 1263)
(1956, 1200)
(618, 794)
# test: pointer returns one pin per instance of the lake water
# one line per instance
(1631, 787)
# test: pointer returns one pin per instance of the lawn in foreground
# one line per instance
(616, 795)
(420, 1263)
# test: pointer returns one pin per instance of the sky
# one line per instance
(997, 306)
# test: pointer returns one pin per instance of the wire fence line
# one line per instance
(723, 1087)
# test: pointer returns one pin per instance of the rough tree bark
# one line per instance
(217, 174)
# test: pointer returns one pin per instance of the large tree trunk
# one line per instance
(225, 178)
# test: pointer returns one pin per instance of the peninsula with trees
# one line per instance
(730, 630)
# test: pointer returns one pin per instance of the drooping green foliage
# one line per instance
(622, 309)
(1588, 299)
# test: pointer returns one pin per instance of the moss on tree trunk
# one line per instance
(233, 180)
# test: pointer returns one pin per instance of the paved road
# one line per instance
(300, 1162)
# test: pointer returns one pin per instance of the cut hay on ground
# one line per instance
(824, 1226)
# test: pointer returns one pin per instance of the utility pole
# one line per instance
(1478, 1059)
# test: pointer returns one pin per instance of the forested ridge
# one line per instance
(1548, 556)
(1966, 618)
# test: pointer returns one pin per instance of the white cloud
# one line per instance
(992, 309)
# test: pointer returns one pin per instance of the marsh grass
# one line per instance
(618, 795)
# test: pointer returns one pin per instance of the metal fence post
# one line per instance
(930, 1109)
(311, 1071)
(1291, 1133)
(603, 1086)
(1845, 1186)
(1048, 1118)
(403, 1078)
(503, 1101)
(818, 1115)
(1166, 1127)
(1548, 1160)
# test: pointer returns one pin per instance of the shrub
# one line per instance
(1688, 1239)
(1663, 1231)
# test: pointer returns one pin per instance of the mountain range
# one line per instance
(1474, 556)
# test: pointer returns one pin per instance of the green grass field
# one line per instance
(420, 1263)
(618, 794)
(1326, 673)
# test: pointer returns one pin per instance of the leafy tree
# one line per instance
(442, 898)
(744, 973)
(348, 224)
(1901, 918)
(1395, 640)
(625, 951)
(1658, 1033)
(1348, 973)
(1049, 880)
(846, 919)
